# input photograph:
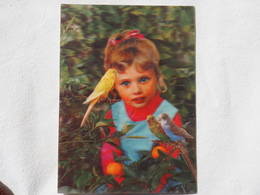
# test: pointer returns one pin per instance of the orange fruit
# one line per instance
(155, 153)
(114, 168)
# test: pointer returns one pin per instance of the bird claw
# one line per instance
(185, 125)
(109, 100)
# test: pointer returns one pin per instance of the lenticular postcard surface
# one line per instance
(127, 99)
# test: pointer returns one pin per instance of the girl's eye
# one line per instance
(125, 83)
(144, 79)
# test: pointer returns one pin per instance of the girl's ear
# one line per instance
(161, 85)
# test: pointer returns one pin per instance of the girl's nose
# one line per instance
(136, 89)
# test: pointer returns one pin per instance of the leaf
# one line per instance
(102, 114)
(94, 171)
(80, 150)
(183, 177)
(67, 190)
(62, 29)
(116, 134)
(74, 88)
(122, 158)
(145, 152)
(75, 71)
(192, 39)
(185, 19)
(145, 163)
(167, 71)
(178, 163)
(155, 181)
(69, 24)
(130, 172)
(104, 123)
(115, 155)
(162, 154)
(163, 137)
(135, 187)
(63, 163)
(137, 12)
(70, 81)
(101, 124)
(126, 128)
(186, 28)
(157, 36)
(81, 178)
(108, 121)
(193, 186)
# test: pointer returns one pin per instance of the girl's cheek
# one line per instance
(118, 88)
(122, 91)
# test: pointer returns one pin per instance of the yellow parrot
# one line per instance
(100, 92)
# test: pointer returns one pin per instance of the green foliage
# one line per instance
(79, 149)
(85, 30)
(145, 174)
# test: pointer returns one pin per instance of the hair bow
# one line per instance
(133, 33)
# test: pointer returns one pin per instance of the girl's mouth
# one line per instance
(139, 100)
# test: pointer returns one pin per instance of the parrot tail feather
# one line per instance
(91, 105)
(185, 154)
(187, 135)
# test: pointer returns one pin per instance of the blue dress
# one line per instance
(132, 145)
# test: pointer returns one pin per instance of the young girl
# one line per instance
(139, 83)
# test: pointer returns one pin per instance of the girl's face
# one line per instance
(136, 88)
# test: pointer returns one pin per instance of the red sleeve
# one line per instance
(109, 116)
(177, 120)
(107, 151)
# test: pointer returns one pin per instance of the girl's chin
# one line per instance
(139, 104)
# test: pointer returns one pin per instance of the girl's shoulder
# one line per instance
(166, 107)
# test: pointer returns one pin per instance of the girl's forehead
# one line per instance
(132, 71)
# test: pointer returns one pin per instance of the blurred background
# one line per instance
(85, 30)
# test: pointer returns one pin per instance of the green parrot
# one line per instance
(156, 128)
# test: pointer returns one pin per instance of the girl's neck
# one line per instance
(139, 114)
